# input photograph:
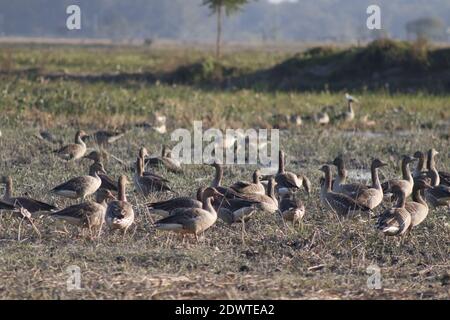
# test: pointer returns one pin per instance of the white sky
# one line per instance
(279, 1)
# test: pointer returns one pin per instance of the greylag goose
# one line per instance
(217, 184)
(164, 208)
(88, 214)
(254, 187)
(165, 161)
(395, 221)
(292, 209)
(373, 196)
(192, 220)
(340, 185)
(27, 203)
(236, 210)
(147, 184)
(143, 154)
(103, 137)
(340, 203)
(75, 150)
(107, 182)
(120, 213)
(438, 195)
(444, 177)
(287, 182)
(349, 115)
(406, 183)
(418, 208)
(81, 187)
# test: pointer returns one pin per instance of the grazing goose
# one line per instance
(254, 187)
(120, 213)
(287, 182)
(340, 203)
(373, 196)
(236, 210)
(31, 205)
(164, 208)
(292, 209)
(147, 184)
(265, 202)
(444, 177)
(340, 185)
(418, 208)
(192, 220)
(103, 137)
(438, 195)
(406, 183)
(88, 214)
(397, 220)
(75, 150)
(81, 187)
(165, 161)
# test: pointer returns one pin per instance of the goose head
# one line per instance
(377, 163)
(97, 168)
(432, 152)
(423, 183)
(418, 155)
(408, 159)
(211, 192)
(94, 156)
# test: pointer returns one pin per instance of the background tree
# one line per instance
(427, 28)
(217, 7)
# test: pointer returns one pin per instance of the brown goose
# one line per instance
(143, 154)
(395, 221)
(418, 208)
(287, 182)
(75, 150)
(81, 187)
(192, 220)
(438, 195)
(265, 202)
(104, 195)
(147, 184)
(340, 185)
(406, 183)
(88, 214)
(120, 213)
(373, 196)
(27, 203)
(444, 177)
(164, 208)
(254, 187)
(103, 137)
(236, 210)
(228, 193)
(165, 161)
(292, 209)
(340, 203)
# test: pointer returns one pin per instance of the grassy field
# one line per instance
(64, 88)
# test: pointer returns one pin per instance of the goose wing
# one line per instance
(175, 203)
(32, 205)
(108, 183)
(287, 180)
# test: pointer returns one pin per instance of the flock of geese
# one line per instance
(237, 203)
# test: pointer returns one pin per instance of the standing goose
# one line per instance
(397, 220)
(418, 208)
(287, 182)
(27, 203)
(143, 154)
(120, 213)
(254, 187)
(444, 177)
(147, 184)
(75, 150)
(107, 182)
(340, 185)
(340, 203)
(373, 196)
(349, 115)
(81, 187)
(90, 214)
(165, 161)
(406, 183)
(164, 208)
(292, 209)
(192, 220)
(438, 195)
